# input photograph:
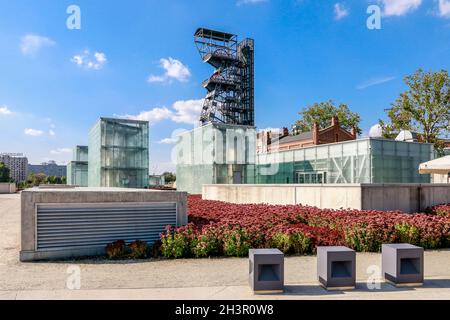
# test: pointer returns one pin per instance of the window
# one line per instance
(311, 177)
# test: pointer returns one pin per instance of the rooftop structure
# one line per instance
(368, 160)
(230, 97)
(268, 141)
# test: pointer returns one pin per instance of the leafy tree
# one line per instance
(423, 108)
(51, 180)
(169, 177)
(322, 113)
(4, 173)
(36, 179)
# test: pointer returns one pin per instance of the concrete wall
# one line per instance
(322, 196)
(7, 188)
(405, 197)
(30, 198)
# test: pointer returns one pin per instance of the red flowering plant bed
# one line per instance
(224, 229)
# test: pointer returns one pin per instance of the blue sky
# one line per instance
(138, 59)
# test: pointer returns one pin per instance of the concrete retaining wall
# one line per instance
(7, 188)
(89, 197)
(405, 197)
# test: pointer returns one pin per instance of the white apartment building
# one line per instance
(17, 164)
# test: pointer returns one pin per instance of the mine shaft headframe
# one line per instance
(230, 97)
(215, 42)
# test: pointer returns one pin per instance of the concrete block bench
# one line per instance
(402, 264)
(266, 270)
(336, 268)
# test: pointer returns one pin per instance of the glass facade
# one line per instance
(360, 161)
(119, 153)
(81, 153)
(201, 161)
(215, 153)
(77, 174)
(77, 169)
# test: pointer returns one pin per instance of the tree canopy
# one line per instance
(323, 112)
(169, 177)
(423, 108)
(4, 173)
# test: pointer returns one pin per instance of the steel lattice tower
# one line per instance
(230, 97)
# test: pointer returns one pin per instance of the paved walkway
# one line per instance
(185, 279)
(434, 289)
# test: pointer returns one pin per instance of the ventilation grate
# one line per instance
(68, 226)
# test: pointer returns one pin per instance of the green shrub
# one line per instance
(116, 250)
(364, 238)
(175, 245)
(206, 244)
(138, 249)
(235, 242)
(300, 243)
(296, 242)
(282, 242)
(407, 233)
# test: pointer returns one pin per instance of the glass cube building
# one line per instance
(215, 154)
(119, 153)
(77, 169)
(224, 154)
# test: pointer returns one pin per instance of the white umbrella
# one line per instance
(436, 166)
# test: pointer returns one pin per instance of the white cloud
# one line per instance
(175, 69)
(444, 8)
(153, 79)
(168, 141)
(87, 60)
(31, 43)
(51, 132)
(374, 82)
(399, 7)
(5, 111)
(273, 130)
(33, 132)
(243, 2)
(340, 11)
(78, 59)
(187, 111)
(61, 151)
(100, 57)
(153, 115)
(183, 111)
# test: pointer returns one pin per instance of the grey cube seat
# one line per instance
(266, 270)
(336, 267)
(402, 264)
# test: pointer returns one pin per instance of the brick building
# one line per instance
(267, 141)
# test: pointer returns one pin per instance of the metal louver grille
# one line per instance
(66, 226)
